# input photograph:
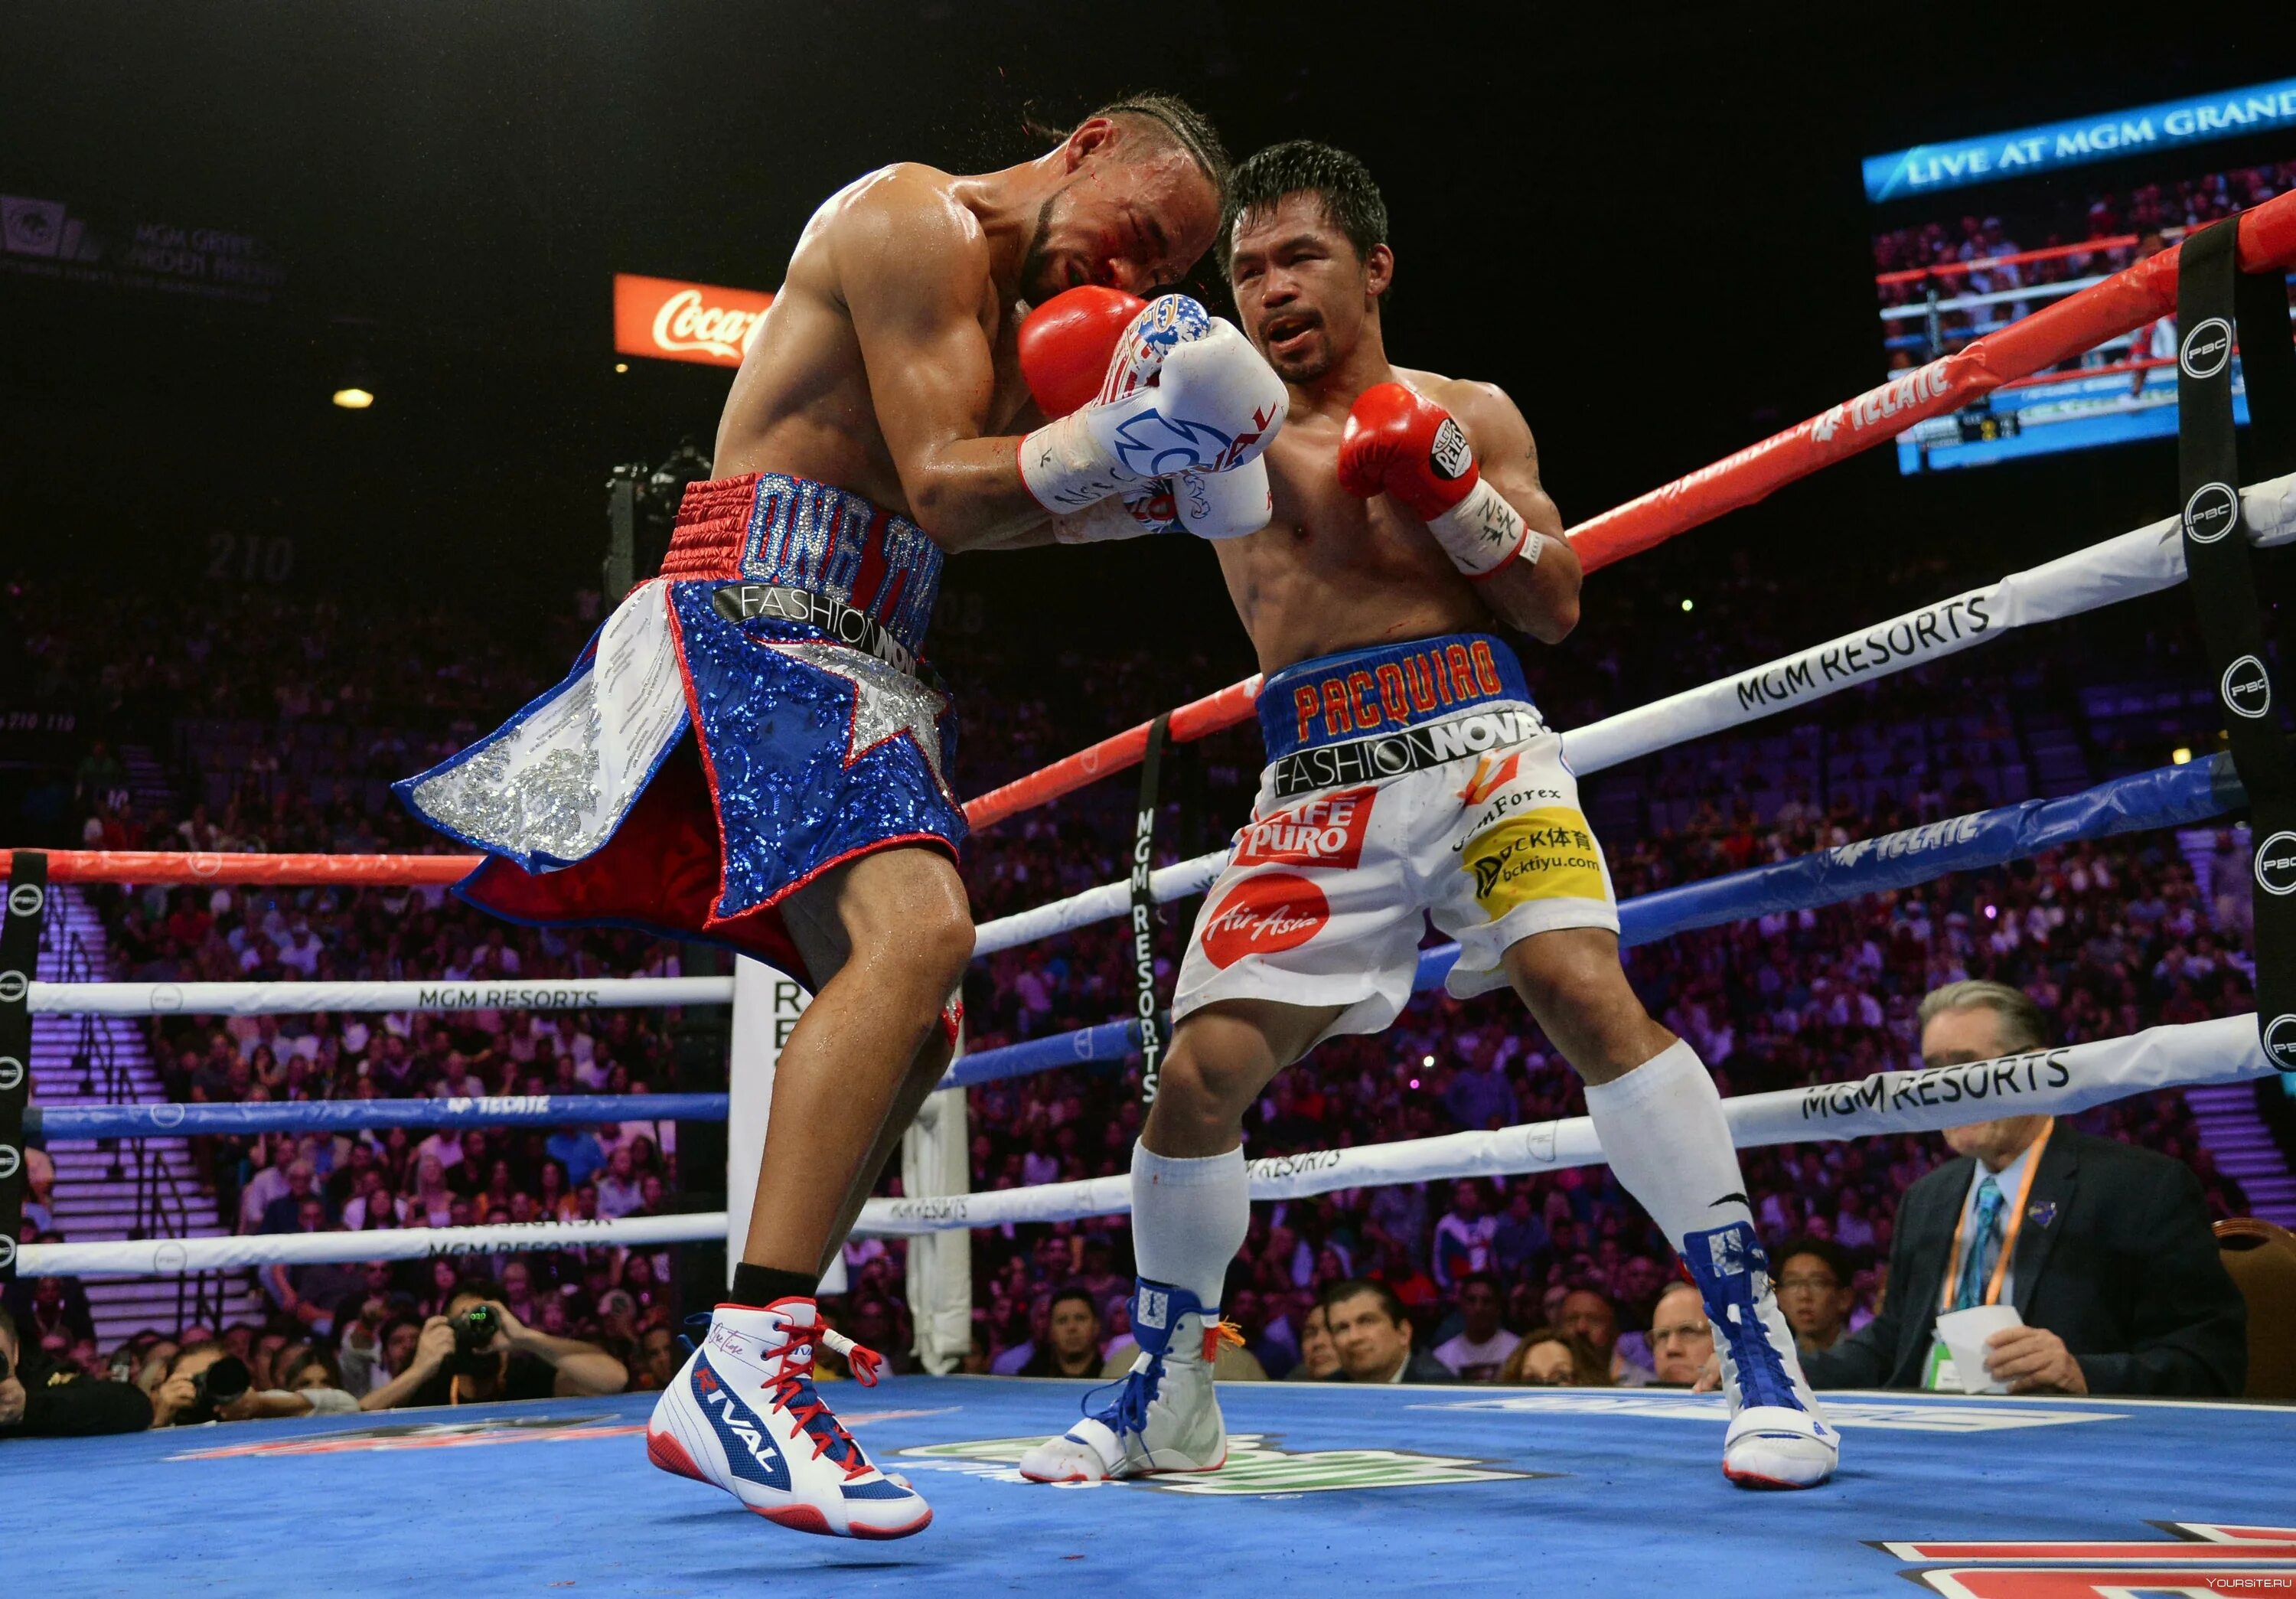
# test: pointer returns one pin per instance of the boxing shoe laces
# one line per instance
(744, 1415)
(1778, 1437)
(1165, 1417)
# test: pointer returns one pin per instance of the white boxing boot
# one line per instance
(1165, 1417)
(1778, 1437)
(744, 1415)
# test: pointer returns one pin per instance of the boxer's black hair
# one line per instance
(1188, 127)
(1176, 121)
(1351, 198)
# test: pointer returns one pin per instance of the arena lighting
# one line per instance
(1686, 605)
(353, 400)
(2182, 757)
(621, 366)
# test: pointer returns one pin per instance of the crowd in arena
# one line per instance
(2108, 936)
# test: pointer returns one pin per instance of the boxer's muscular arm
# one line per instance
(1540, 598)
(914, 273)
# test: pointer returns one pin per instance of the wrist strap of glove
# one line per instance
(1482, 533)
(1066, 466)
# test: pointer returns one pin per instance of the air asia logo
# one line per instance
(2211, 1559)
(2207, 348)
(2209, 513)
(2276, 865)
(1452, 456)
(9, 1161)
(1326, 831)
(25, 899)
(12, 986)
(2280, 1041)
(12, 1073)
(1255, 1466)
(1272, 912)
(2247, 689)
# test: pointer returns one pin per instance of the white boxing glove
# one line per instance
(1224, 505)
(1185, 392)
(1130, 513)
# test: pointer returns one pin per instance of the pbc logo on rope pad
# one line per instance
(2209, 513)
(2280, 1041)
(2276, 865)
(1272, 912)
(1452, 456)
(2247, 688)
(2207, 350)
(1326, 831)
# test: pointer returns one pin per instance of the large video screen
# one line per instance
(1971, 235)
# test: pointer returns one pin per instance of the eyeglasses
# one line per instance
(1807, 1284)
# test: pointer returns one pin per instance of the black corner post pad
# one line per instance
(20, 956)
(2222, 320)
(1147, 1015)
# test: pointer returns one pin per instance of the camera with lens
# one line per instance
(213, 1389)
(475, 1329)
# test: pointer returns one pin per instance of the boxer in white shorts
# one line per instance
(1455, 805)
(1409, 776)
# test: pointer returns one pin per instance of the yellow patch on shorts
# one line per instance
(1546, 854)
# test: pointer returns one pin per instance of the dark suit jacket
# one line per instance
(2126, 1272)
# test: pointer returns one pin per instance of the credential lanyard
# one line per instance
(2011, 1226)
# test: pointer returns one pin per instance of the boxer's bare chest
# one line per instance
(1332, 572)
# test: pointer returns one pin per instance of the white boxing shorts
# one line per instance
(1404, 781)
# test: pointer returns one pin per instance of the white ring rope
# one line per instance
(295, 999)
(169, 1256)
(2147, 561)
(2057, 1081)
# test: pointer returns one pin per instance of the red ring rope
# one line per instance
(2123, 303)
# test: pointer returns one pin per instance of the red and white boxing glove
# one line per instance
(1401, 443)
(1183, 391)
(1089, 344)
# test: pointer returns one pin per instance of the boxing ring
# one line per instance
(1448, 1489)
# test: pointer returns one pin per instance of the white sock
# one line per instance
(1189, 1219)
(1662, 1127)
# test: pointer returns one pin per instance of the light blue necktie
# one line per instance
(1984, 1247)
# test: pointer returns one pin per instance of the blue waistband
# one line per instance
(1384, 689)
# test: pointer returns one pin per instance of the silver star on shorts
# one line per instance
(886, 703)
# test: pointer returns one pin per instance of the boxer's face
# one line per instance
(1134, 214)
(1303, 292)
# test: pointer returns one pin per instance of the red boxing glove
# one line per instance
(1066, 344)
(1398, 442)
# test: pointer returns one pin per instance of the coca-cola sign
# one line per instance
(667, 320)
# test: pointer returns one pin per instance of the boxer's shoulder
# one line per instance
(1493, 421)
(908, 210)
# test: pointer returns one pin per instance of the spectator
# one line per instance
(41, 1398)
(1814, 1290)
(1681, 1339)
(1587, 1314)
(1480, 1348)
(1319, 1357)
(2116, 1276)
(1550, 1357)
(1373, 1337)
(577, 1149)
(517, 1361)
(1072, 1345)
(1463, 1236)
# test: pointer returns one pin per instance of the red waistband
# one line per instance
(712, 519)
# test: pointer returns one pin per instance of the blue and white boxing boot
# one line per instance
(1778, 1437)
(744, 1415)
(1165, 1417)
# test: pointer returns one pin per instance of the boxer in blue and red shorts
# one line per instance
(879, 419)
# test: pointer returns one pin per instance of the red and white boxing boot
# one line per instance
(744, 1415)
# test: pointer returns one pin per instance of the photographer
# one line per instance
(206, 1382)
(41, 1399)
(478, 1352)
